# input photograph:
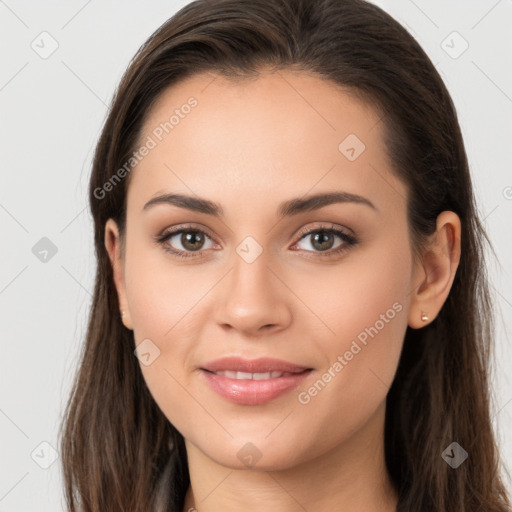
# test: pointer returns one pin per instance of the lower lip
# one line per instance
(252, 392)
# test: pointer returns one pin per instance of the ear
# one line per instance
(113, 246)
(434, 274)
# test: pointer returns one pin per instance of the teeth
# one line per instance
(252, 376)
(243, 375)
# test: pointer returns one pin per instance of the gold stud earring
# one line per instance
(424, 316)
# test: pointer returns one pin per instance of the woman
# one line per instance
(291, 309)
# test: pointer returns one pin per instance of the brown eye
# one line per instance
(324, 239)
(184, 242)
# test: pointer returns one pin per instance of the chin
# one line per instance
(257, 457)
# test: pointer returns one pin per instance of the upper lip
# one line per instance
(260, 365)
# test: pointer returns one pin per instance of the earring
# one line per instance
(122, 314)
(424, 316)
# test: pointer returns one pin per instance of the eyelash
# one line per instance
(348, 240)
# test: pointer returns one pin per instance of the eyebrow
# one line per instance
(286, 209)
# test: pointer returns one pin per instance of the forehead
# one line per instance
(282, 133)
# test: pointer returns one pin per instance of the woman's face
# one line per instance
(260, 278)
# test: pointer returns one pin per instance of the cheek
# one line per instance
(165, 310)
(163, 306)
(364, 305)
(368, 315)
(161, 300)
(368, 288)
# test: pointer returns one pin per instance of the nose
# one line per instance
(254, 299)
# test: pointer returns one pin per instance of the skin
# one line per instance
(249, 146)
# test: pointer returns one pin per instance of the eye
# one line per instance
(188, 240)
(323, 240)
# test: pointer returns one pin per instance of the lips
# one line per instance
(252, 382)
(262, 365)
(253, 376)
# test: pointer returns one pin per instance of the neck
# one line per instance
(350, 477)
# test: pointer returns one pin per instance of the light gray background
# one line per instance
(52, 111)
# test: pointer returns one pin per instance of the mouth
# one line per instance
(253, 366)
(253, 382)
(253, 376)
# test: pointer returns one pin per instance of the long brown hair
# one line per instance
(119, 451)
